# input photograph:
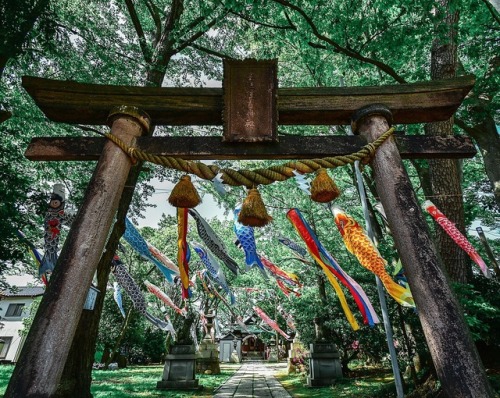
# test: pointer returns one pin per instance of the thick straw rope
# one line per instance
(251, 178)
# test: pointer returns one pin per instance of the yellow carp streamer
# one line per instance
(359, 244)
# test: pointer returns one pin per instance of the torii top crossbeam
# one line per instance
(249, 106)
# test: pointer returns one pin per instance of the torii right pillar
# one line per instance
(454, 354)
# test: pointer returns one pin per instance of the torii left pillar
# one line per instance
(60, 309)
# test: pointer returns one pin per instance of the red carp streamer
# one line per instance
(457, 236)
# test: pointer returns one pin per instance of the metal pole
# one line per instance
(42, 360)
(380, 289)
(454, 354)
(489, 252)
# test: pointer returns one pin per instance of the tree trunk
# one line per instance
(119, 339)
(445, 174)
(486, 136)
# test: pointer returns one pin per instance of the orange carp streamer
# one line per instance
(359, 244)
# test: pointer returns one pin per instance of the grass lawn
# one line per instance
(366, 383)
(139, 381)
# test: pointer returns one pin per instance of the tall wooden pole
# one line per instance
(44, 354)
(455, 357)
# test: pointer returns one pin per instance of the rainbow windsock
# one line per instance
(331, 268)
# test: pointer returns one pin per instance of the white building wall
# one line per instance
(12, 325)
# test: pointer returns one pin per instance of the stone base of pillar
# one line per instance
(324, 365)
(178, 373)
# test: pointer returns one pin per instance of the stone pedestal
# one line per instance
(273, 354)
(235, 358)
(324, 365)
(207, 359)
(178, 372)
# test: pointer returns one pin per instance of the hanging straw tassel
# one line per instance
(323, 188)
(184, 194)
(253, 211)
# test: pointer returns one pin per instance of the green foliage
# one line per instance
(480, 303)
(29, 319)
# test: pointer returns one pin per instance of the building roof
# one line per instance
(23, 291)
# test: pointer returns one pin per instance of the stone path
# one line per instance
(254, 379)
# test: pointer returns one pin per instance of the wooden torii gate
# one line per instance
(250, 105)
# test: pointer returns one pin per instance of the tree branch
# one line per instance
(472, 131)
(492, 10)
(194, 37)
(155, 15)
(163, 50)
(210, 51)
(93, 40)
(175, 13)
(138, 29)
(248, 19)
(343, 50)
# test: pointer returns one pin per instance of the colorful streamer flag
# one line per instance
(286, 289)
(163, 297)
(137, 242)
(37, 258)
(170, 328)
(183, 253)
(359, 244)
(214, 270)
(246, 239)
(399, 274)
(239, 321)
(457, 236)
(219, 184)
(270, 322)
(192, 331)
(213, 242)
(331, 269)
(294, 246)
(288, 318)
(54, 218)
(117, 295)
(201, 276)
(162, 258)
(303, 184)
(283, 278)
(128, 284)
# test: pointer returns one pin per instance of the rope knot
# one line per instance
(371, 148)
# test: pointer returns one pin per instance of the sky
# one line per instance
(208, 207)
